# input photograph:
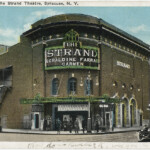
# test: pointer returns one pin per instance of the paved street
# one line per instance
(115, 137)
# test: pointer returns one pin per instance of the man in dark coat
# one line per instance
(83, 125)
(70, 124)
(97, 126)
(45, 124)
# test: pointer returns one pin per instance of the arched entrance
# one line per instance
(141, 123)
(36, 119)
(123, 115)
(125, 112)
(132, 112)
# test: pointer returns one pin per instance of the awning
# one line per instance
(72, 107)
(44, 100)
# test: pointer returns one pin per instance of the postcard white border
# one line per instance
(77, 145)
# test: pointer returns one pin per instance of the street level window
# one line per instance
(55, 85)
(72, 86)
(88, 87)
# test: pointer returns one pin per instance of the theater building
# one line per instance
(75, 66)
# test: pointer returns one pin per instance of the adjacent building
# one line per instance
(75, 66)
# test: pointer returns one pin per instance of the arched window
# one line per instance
(88, 87)
(55, 84)
(72, 86)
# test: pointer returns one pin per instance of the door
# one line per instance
(140, 119)
(114, 116)
(131, 115)
(36, 120)
(123, 116)
(107, 120)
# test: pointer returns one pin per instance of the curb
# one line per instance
(101, 133)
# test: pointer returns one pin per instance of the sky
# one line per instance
(16, 20)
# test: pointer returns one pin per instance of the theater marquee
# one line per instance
(71, 55)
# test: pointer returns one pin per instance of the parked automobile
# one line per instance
(144, 134)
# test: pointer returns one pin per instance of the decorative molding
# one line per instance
(124, 96)
(116, 95)
(126, 39)
(117, 48)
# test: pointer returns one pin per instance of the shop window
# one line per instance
(88, 87)
(72, 86)
(55, 85)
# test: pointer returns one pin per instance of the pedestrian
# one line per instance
(70, 126)
(49, 122)
(107, 125)
(76, 125)
(97, 126)
(65, 124)
(45, 124)
(83, 125)
(58, 125)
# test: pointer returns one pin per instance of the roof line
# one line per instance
(125, 38)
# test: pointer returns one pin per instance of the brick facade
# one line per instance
(29, 76)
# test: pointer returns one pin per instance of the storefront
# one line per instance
(70, 112)
(44, 116)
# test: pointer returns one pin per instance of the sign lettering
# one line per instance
(72, 54)
(124, 65)
(71, 57)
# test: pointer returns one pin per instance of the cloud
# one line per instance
(37, 15)
(138, 29)
(9, 36)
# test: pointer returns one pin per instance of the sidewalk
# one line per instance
(27, 131)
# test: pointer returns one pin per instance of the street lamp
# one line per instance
(89, 105)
